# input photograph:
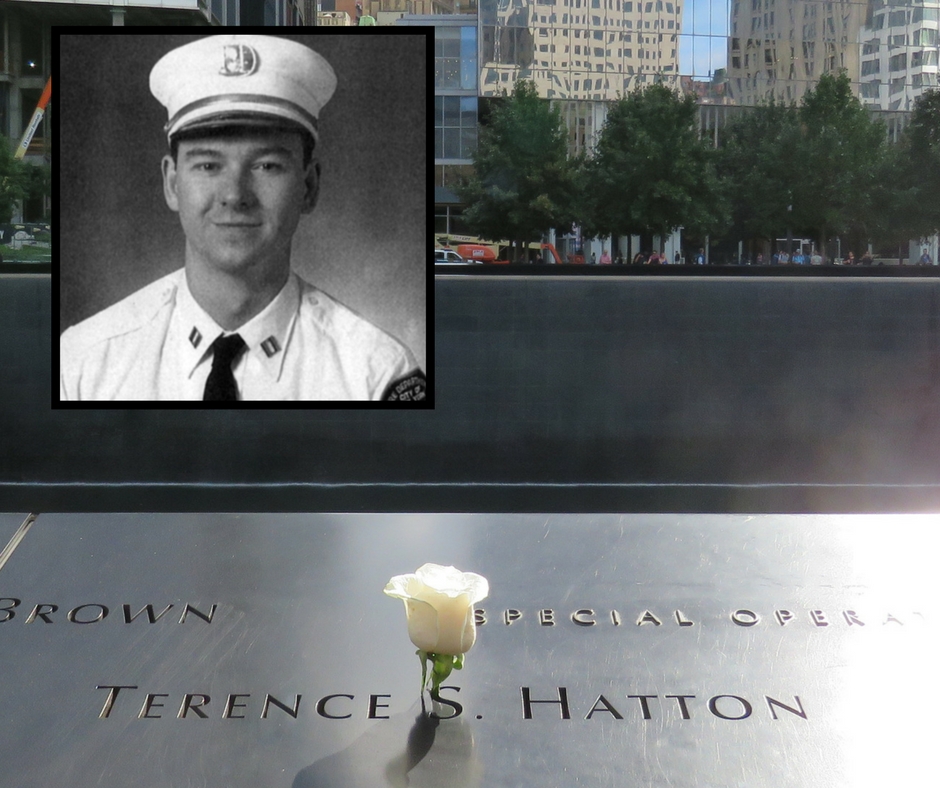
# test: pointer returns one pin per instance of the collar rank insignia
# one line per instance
(412, 387)
(238, 60)
(270, 347)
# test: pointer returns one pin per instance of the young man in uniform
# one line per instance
(235, 323)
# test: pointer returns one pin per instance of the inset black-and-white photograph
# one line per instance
(244, 219)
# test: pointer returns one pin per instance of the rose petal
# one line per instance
(422, 624)
(439, 604)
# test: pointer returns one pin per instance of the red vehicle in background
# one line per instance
(478, 253)
(485, 254)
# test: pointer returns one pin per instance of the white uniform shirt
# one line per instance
(155, 345)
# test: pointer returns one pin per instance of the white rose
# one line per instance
(439, 604)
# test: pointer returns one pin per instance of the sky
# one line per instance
(703, 46)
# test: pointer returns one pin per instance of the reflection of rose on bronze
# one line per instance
(408, 750)
(439, 604)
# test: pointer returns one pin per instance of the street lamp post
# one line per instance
(790, 228)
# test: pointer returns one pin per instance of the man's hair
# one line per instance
(240, 131)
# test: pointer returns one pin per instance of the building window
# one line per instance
(455, 126)
(926, 14)
(926, 37)
(447, 57)
(897, 18)
(455, 57)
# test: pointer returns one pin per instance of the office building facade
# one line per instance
(578, 49)
(456, 103)
(900, 49)
(150, 13)
(25, 67)
(778, 49)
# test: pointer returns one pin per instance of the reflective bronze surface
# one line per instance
(641, 650)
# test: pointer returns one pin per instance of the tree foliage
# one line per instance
(15, 180)
(820, 169)
(919, 163)
(650, 171)
(523, 183)
(758, 165)
(841, 161)
(817, 169)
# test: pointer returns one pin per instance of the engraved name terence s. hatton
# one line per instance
(531, 702)
(346, 705)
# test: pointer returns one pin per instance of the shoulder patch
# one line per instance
(410, 388)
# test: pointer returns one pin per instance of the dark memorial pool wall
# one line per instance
(723, 394)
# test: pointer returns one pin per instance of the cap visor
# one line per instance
(238, 119)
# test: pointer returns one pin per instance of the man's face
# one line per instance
(239, 198)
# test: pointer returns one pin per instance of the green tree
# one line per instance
(523, 183)
(819, 169)
(840, 163)
(37, 181)
(920, 167)
(15, 180)
(650, 171)
(760, 170)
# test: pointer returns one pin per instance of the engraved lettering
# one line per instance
(583, 618)
(819, 618)
(114, 689)
(681, 699)
(190, 609)
(374, 706)
(231, 705)
(607, 707)
(783, 617)
(891, 618)
(479, 617)
(8, 609)
(458, 709)
(771, 702)
(547, 617)
(851, 617)
(648, 618)
(615, 617)
(128, 618)
(745, 618)
(150, 704)
(321, 707)
(73, 614)
(682, 621)
(291, 710)
(38, 612)
(562, 702)
(511, 615)
(188, 705)
(713, 707)
(644, 704)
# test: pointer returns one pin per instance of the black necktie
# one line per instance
(221, 382)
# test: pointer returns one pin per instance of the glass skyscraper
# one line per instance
(578, 49)
(900, 51)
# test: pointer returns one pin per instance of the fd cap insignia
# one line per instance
(238, 60)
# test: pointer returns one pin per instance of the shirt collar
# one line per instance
(266, 334)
